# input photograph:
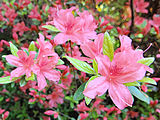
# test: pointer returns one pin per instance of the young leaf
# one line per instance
(148, 80)
(95, 66)
(88, 100)
(147, 61)
(26, 52)
(32, 47)
(22, 83)
(79, 93)
(81, 65)
(60, 62)
(6, 80)
(13, 49)
(132, 84)
(139, 94)
(32, 77)
(51, 28)
(108, 48)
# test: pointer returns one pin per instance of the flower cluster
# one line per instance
(43, 66)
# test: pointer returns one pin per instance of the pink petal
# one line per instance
(41, 81)
(120, 95)
(52, 75)
(60, 38)
(99, 42)
(35, 69)
(22, 55)
(131, 76)
(125, 42)
(89, 49)
(103, 64)
(17, 72)
(13, 60)
(49, 112)
(98, 86)
(41, 40)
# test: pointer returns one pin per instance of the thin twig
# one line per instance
(132, 18)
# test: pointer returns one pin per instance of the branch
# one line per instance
(132, 18)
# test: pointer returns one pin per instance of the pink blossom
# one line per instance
(10, 14)
(56, 97)
(20, 27)
(144, 88)
(5, 115)
(98, 107)
(22, 62)
(66, 77)
(146, 29)
(155, 23)
(77, 29)
(158, 110)
(30, 84)
(82, 107)
(123, 69)
(139, 20)
(158, 55)
(140, 6)
(93, 49)
(51, 112)
(45, 48)
(44, 69)
(83, 116)
(122, 31)
(1, 111)
(34, 14)
(46, 118)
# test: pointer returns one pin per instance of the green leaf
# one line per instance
(95, 66)
(13, 49)
(32, 47)
(148, 80)
(139, 94)
(81, 65)
(6, 80)
(26, 52)
(88, 100)
(71, 99)
(32, 77)
(51, 28)
(79, 93)
(108, 48)
(147, 61)
(132, 84)
(60, 62)
(22, 83)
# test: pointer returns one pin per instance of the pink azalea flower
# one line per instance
(20, 27)
(83, 116)
(92, 49)
(123, 69)
(45, 48)
(51, 112)
(56, 97)
(34, 14)
(88, 25)
(155, 23)
(77, 29)
(44, 69)
(140, 6)
(22, 62)
(82, 107)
